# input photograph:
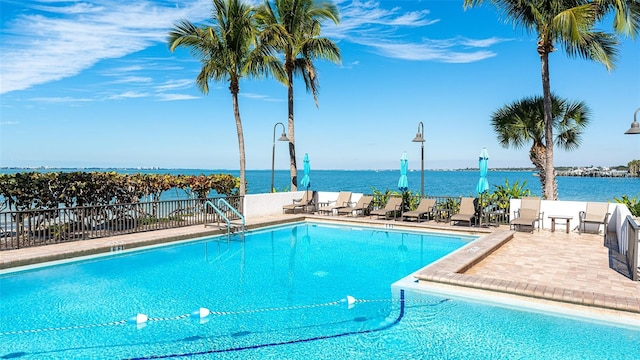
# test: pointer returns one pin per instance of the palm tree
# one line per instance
(522, 122)
(569, 23)
(228, 50)
(293, 28)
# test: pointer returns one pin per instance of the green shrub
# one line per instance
(380, 198)
(632, 203)
(507, 191)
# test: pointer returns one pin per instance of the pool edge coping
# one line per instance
(450, 270)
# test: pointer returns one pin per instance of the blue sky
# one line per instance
(92, 84)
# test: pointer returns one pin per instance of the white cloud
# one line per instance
(130, 68)
(60, 100)
(128, 95)
(174, 97)
(61, 41)
(53, 40)
(176, 84)
(440, 51)
(368, 23)
(134, 79)
(78, 8)
(259, 97)
(483, 42)
(368, 18)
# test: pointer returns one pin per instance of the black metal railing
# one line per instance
(633, 242)
(19, 229)
(489, 210)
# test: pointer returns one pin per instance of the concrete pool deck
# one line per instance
(576, 269)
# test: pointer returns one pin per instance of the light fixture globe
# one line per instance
(635, 126)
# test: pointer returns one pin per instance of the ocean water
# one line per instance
(436, 183)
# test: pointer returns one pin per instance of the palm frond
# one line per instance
(522, 122)
(626, 15)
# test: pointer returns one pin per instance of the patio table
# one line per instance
(560, 217)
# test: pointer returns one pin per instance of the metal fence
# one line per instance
(19, 229)
(489, 210)
(632, 251)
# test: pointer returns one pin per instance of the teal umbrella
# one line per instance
(403, 183)
(306, 181)
(483, 164)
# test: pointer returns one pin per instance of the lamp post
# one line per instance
(283, 137)
(420, 138)
(635, 127)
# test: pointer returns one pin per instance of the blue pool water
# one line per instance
(279, 294)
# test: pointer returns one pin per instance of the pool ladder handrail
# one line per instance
(221, 214)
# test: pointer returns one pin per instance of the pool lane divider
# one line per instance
(142, 319)
(290, 342)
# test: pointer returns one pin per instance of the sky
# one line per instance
(92, 83)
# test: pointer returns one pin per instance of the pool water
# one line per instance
(280, 293)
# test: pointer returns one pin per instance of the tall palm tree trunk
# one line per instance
(538, 158)
(549, 192)
(292, 139)
(236, 114)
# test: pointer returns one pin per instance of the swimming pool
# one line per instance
(280, 293)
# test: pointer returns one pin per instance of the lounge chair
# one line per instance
(300, 204)
(425, 207)
(361, 207)
(343, 200)
(528, 214)
(467, 211)
(595, 214)
(393, 206)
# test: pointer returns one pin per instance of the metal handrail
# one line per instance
(222, 215)
(633, 243)
(234, 210)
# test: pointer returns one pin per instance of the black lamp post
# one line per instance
(283, 137)
(420, 138)
(635, 127)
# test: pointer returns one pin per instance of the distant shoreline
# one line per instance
(616, 172)
(560, 169)
(48, 168)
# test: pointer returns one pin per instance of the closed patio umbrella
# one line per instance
(483, 184)
(306, 181)
(403, 182)
(483, 164)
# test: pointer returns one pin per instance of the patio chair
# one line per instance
(595, 214)
(528, 215)
(361, 207)
(343, 200)
(425, 207)
(393, 206)
(300, 204)
(467, 212)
